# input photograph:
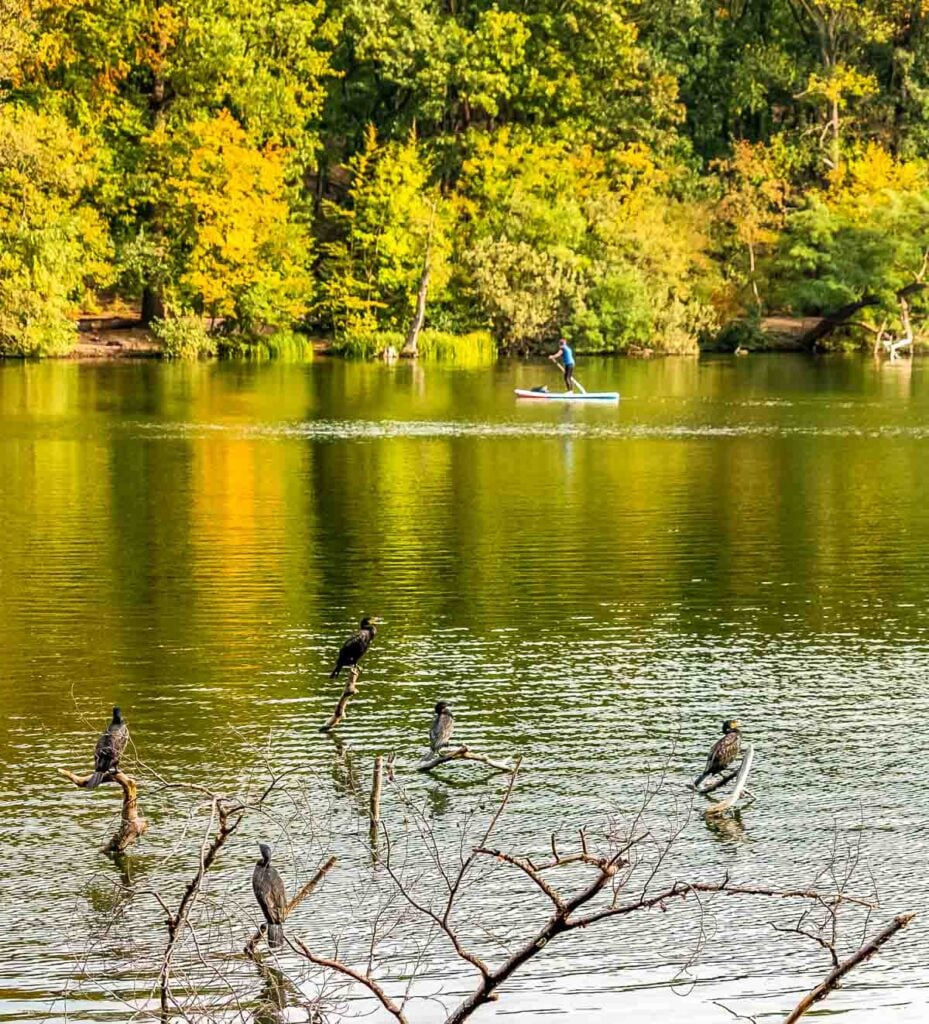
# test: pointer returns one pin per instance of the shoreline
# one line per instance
(100, 342)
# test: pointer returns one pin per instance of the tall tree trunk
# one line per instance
(412, 339)
(153, 306)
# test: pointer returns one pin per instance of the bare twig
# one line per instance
(363, 979)
(177, 921)
(375, 807)
(835, 976)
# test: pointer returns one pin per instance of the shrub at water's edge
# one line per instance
(183, 337)
(476, 348)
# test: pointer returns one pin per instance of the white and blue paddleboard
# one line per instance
(569, 396)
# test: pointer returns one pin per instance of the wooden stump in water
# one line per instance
(133, 825)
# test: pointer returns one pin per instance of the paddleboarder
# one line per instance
(567, 361)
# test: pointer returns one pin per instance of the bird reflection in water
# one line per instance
(272, 1003)
(438, 800)
(724, 827)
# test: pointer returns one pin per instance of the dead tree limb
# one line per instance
(177, 921)
(721, 806)
(834, 320)
(363, 979)
(718, 783)
(132, 825)
(835, 976)
(307, 890)
(341, 709)
(462, 753)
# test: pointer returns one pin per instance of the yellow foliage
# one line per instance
(876, 170)
(246, 257)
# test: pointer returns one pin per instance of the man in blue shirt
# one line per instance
(567, 360)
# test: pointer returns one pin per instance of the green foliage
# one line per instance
(476, 348)
(634, 173)
(394, 221)
(52, 243)
(183, 337)
(367, 342)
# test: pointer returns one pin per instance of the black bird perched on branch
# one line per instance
(443, 725)
(110, 747)
(353, 650)
(271, 896)
(723, 752)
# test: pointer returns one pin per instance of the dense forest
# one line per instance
(661, 173)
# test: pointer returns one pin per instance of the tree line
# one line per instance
(656, 173)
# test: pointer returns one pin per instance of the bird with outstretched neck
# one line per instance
(353, 650)
(443, 725)
(723, 752)
(271, 896)
(109, 749)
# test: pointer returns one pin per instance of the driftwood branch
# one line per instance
(341, 709)
(310, 886)
(718, 782)
(832, 980)
(462, 753)
(721, 806)
(132, 825)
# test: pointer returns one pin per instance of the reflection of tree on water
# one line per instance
(110, 901)
(344, 771)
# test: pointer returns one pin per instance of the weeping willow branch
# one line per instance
(132, 826)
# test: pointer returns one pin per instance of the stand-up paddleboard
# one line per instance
(569, 396)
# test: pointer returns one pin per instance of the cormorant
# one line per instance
(354, 648)
(443, 725)
(110, 747)
(271, 896)
(724, 751)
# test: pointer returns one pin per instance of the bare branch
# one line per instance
(132, 825)
(369, 983)
(461, 754)
(864, 953)
(341, 708)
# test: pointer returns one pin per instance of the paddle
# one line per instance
(574, 379)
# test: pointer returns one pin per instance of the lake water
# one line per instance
(592, 588)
